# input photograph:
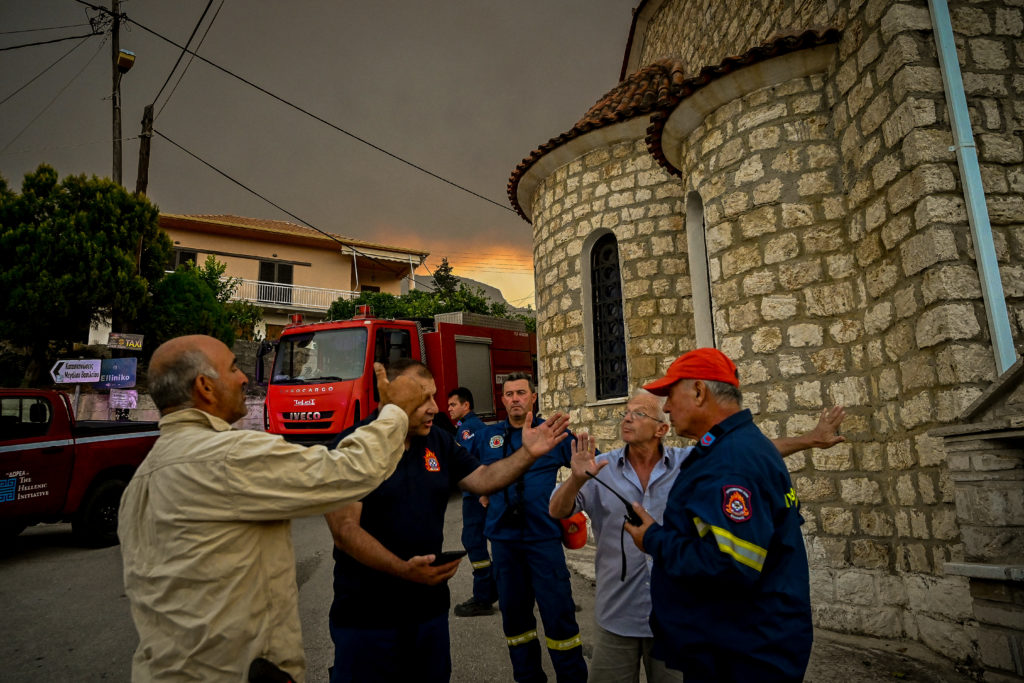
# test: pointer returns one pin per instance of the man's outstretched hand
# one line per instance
(404, 391)
(583, 448)
(540, 439)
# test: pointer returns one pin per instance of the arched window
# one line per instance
(700, 278)
(610, 375)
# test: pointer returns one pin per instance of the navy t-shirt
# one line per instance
(406, 515)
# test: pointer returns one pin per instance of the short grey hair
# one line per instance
(724, 391)
(170, 384)
(516, 376)
(658, 401)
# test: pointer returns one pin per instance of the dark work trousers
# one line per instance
(411, 652)
(535, 571)
(473, 516)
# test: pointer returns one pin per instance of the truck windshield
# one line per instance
(317, 357)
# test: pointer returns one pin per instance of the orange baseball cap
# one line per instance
(707, 364)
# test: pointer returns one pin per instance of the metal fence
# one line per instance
(292, 296)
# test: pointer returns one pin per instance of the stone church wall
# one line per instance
(842, 271)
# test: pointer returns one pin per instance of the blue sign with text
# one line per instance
(117, 373)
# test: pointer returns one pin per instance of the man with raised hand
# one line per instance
(205, 523)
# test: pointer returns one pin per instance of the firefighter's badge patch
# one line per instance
(497, 441)
(431, 462)
(466, 434)
(736, 503)
(707, 439)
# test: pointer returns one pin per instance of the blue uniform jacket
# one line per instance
(533, 488)
(730, 570)
(465, 428)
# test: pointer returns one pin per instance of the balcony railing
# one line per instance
(289, 296)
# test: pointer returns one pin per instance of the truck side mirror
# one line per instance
(265, 348)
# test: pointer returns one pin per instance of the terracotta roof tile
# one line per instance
(655, 90)
(283, 229)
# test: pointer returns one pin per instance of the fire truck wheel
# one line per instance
(96, 523)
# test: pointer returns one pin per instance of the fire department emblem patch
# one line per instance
(466, 434)
(736, 503)
(707, 439)
(497, 441)
(431, 461)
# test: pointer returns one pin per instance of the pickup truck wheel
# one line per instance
(96, 523)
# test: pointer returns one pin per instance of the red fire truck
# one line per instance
(322, 379)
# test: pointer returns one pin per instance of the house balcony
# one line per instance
(289, 297)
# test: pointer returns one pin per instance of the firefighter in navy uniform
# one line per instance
(485, 593)
(729, 587)
(529, 563)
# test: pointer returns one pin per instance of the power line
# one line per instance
(55, 97)
(178, 61)
(185, 70)
(46, 42)
(305, 111)
(32, 80)
(35, 30)
(54, 148)
(278, 206)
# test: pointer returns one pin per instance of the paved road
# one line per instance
(66, 617)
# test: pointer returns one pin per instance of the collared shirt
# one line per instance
(405, 514)
(529, 493)
(623, 607)
(465, 428)
(205, 530)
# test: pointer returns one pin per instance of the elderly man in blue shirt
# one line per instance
(643, 470)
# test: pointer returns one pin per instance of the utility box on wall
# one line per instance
(986, 463)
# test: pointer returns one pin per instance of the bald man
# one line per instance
(205, 527)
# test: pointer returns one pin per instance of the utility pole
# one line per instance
(115, 49)
(145, 138)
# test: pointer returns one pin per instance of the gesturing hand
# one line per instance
(824, 434)
(404, 391)
(583, 448)
(419, 570)
(540, 439)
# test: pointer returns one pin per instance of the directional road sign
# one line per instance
(76, 371)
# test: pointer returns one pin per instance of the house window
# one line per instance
(181, 256)
(609, 337)
(275, 284)
(369, 288)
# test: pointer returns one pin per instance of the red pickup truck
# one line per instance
(54, 468)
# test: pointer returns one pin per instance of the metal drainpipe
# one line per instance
(974, 193)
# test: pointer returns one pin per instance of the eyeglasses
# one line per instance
(635, 414)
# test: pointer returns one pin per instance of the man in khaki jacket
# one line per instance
(205, 526)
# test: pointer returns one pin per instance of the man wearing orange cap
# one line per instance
(729, 586)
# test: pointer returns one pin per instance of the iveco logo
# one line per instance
(305, 402)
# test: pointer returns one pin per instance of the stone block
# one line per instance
(790, 365)
(891, 590)
(875, 523)
(1001, 650)
(868, 554)
(927, 145)
(829, 361)
(878, 318)
(814, 183)
(923, 181)
(778, 307)
(926, 249)
(912, 113)
(750, 170)
(740, 259)
(829, 300)
(805, 334)
(808, 394)
(860, 490)
(855, 587)
(946, 323)
(895, 230)
(828, 552)
(768, 193)
(781, 248)
(916, 79)
(902, 18)
(951, 281)
(836, 521)
(835, 459)
(797, 215)
(758, 222)
(846, 331)
(849, 391)
(814, 488)
(964, 363)
(766, 340)
(917, 410)
(1001, 148)
(948, 597)
(1009, 22)
(930, 450)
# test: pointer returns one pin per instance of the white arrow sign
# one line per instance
(76, 371)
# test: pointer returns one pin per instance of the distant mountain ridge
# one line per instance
(491, 293)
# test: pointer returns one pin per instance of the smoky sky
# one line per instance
(463, 88)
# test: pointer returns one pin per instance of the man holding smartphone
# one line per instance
(389, 620)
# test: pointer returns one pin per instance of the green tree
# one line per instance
(183, 303)
(243, 315)
(72, 253)
(450, 294)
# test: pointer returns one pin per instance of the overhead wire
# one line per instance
(55, 97)
(206, 32)
(346, 245)
(302, 110)
(183, 52)
(47, 28)
(55, 63)
(46, 42)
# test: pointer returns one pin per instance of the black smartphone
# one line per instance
(448, 556)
